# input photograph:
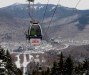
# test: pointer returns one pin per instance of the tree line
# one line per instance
(65, 67)
(7, 67)
(62, 67)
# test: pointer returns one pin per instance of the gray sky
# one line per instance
(84, 4)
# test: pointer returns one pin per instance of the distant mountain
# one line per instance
(67, 22)
(21, 10)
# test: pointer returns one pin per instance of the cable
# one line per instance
(29, 12)
(77, 3)
(33, 10)
(53, 15)
(55, 11)
(57, 6)
(76, 6)
(45, 11)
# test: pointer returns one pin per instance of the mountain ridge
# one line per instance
(67, 22)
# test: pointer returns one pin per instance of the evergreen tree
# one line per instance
(85, 65)
(8, 60)
(2, 63)
(33, 72)
(54, 70)
(10, 66)
(47, 72)
(2, 53)
(68, 66)
(61, 65)
(43, 73)
(79, 69)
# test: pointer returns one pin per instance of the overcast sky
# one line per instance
(84, 4)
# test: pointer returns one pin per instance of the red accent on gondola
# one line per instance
(35, 41)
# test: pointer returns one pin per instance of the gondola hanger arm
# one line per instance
(30, 0)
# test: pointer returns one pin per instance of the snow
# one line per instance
(18, 62)
(37, 60)
(25, 62)
(52, 8)
(22, 8)
(43, 60)
(37, 56)
(2, 64)
(24, 65)
(41, 7)
(57, 44)
(26, 8)
(2, 67)
(31, 58)
(0, 61)
(45, 46)
(84, 73)
(35, 7)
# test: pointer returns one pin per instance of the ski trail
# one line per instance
(25, 63)
(18, 62)
(31, 58)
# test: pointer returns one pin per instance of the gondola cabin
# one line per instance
(34, 34)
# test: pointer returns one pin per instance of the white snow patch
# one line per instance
(37, 60)
(35, 7)
(43, 60)
(41, 7)
(26, 8)
(31, 58)
(18, 62)
(37, 56)
(52, 8)
(22, 8)
(25, 62)
(24, 65)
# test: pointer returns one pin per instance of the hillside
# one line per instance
(14, 21)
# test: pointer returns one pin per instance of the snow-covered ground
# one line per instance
(24, 63)
(44, 47)
(72, 41)
(24, 46)
(25, 49)
(18, 62)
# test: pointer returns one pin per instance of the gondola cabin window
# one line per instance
(35, 31)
